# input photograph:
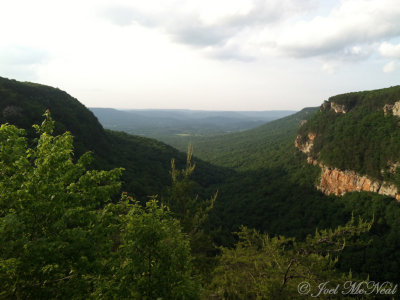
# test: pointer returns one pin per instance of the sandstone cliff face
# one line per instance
(335, 181)
(337, 108)
(338, 182)
(392, 167)
(392, 109)
(302, 122)
(306, 146)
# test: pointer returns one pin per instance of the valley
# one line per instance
(178, 128)
(266, 178)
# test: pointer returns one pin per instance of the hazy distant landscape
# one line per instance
(178, 126)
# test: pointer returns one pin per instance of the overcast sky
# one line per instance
(203, 54)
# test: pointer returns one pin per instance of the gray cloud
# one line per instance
(194, 33)
(187, 28)
(229, 52)
(354, 23)
(349, 32)
(123, 15)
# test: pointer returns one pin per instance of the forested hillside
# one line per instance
(146, 161)
(55, 206)
(253, 149)
(274, 190)
(358, 131)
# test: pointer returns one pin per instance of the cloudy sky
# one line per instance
(202, 54)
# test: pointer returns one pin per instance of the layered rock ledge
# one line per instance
(338, 182)
(306, 146)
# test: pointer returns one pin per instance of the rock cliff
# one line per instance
(305, 146)
(392, 109)
(338, 182)
(357, 133)
(335, 181)
(337, 108)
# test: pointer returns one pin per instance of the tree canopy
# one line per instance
(61, 236)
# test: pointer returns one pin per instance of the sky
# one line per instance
(202, 54)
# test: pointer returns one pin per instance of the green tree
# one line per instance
(62, 237)
(50, 240)
(188, 208)
(264, 267)
(153, 258)
(192, 212)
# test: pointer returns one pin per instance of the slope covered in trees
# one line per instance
(63, 237)
(263, 182)
(273, 190)
(362, 137)
(146, 161)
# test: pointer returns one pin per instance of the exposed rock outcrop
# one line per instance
(302, 122)
(312, 161)
(335, 181)
(306, 146)
(340, 182)
(392, 167)
(392, 109)
(338, 108)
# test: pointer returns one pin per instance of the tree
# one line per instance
(192, 212)
(153, 258)
(264, 267)
(62, 237)
(188, 208)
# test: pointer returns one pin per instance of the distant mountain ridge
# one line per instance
(168, 123)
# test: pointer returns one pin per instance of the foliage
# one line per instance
(264, 267)
(262, 183)
(192, 211)
(49, 215)
(146, 161)
(381, 259)
(61, 237)
(364, 139)
(153, 259)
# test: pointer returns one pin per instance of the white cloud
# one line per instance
(209, 24)
(353, 23)
(349, 31)
(390, 67)
(189, 53)
(390, 50)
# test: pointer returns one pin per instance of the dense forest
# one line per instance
(236, 217)
(364, 139)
